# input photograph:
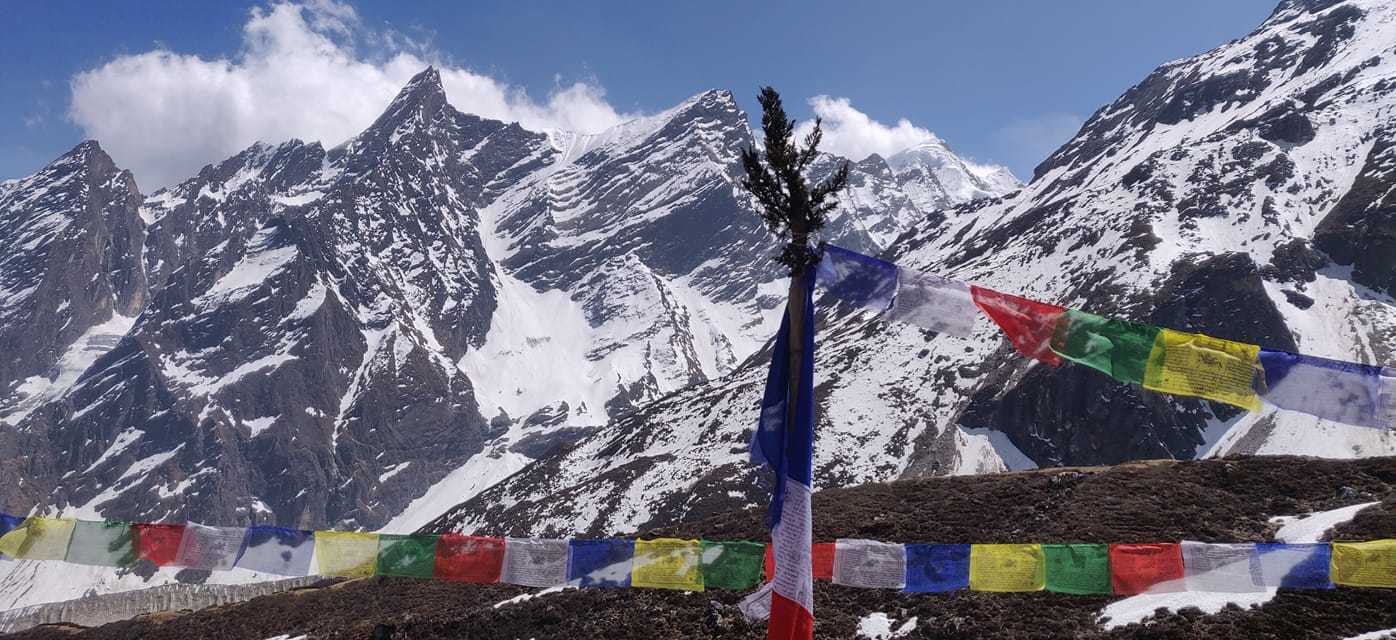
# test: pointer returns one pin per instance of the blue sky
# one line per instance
(173, 85)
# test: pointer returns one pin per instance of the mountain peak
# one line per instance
(421, 99)
(426, 82)
(88, 155)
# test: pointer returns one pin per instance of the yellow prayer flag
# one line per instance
(1192, 364)
(1364, 564)
(346, 555)
(667, 563)
(39, 539)
(1007, 567)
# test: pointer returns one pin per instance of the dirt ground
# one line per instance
(1227, 500)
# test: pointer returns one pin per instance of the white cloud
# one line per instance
(1026, 142)
(852, 134)
(308, 70)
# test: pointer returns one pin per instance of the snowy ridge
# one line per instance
(1199, 201)
(319, 322)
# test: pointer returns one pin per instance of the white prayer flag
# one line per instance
(869, 564)
(1222, 568)
(939, 304)
(213, 548)
(534, 562)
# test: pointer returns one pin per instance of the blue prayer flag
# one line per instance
(858, 279)
(600, 563)
(782, 441)
(1295, 566)
(1339, 391)
(937, 567)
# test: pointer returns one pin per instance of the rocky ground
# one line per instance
(1214, 500)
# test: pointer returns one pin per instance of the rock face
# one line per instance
(1245, 193)
(71, 247)
(317, 337)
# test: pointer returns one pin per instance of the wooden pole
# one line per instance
(795, 308)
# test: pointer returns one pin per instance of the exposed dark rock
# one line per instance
(1361, 229)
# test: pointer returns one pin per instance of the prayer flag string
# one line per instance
(696, 565)
(1159, 359)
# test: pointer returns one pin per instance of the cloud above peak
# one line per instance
(310, 70)
(852, 134)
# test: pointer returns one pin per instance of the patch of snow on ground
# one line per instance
(1137, 608)
(1311, 527)
(1385, 634)
(525, 597)
(878, 626)
(987, 451)
(1293, 530)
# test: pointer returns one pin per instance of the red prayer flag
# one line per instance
(821, 556)
(469, 558)
(158, 543)
(1028, 324)
(1135, 568)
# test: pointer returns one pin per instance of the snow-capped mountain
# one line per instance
(322, 337)
(71, 246)
(1241, 193)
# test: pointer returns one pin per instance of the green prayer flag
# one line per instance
(1117, 348)
(732, 565)
(104, 544)
(409, 556)
(1078, 568)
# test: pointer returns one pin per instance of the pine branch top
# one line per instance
(776, 179)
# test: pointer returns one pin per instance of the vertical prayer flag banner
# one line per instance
(1192, 364)
(1027, 324)
(668, 563)
(821, 562)
(1339, 391)
(932, 568)
(102, 544)
(869, 564)
(784, 442)
(732, 565)
(1364, 564)
(278, 551)
(158, 543)
(857, 279)
(1116, 348)
(1146, 568)
(409, 556)
(38, 538)
(469, 558)
(1294, 566)
(939, 304)
(535, 562)
(1222, 568)
(346, 555)
(1007, 567)
(1081, 569)
(213, 548)
(600, 563)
